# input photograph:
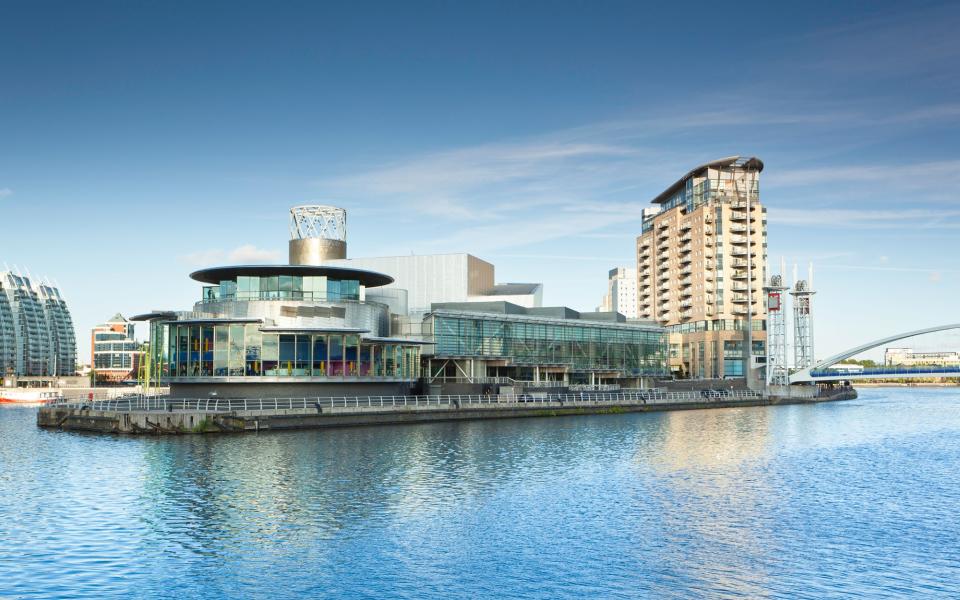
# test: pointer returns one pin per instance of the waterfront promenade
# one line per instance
(164, 415)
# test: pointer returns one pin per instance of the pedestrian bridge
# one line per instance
(822, 370)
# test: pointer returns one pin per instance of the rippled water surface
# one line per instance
(850, 499)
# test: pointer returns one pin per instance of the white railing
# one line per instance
(644, 397)
(605, 387)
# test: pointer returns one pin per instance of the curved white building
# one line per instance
(36, 330)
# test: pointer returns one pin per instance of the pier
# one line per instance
(166, 416)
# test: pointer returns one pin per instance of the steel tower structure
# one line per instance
(803, 322)
(777, 373)
(318, 233)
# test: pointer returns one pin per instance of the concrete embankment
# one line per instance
(181, 421)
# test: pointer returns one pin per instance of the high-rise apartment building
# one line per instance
(701, 264)
(36, 331)
(621, 293)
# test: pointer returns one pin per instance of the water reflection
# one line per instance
(739, 502)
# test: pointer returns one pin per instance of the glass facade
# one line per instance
(243, 350)
(283, 287)
(717, 325)
(583, 345)
(733, 356)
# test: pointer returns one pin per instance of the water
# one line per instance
(850, 499)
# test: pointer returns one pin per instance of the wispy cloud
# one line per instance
(867, 218)
(911, 174)
(578, 182)
(908, 269)
(245, 254)
(4, 192)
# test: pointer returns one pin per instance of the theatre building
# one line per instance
(325, 325)
(291, 330)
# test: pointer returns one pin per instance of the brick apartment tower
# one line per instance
(692, 267)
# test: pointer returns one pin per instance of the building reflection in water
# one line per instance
(711, 490)
(218, 495)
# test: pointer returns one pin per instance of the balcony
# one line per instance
(738, 229)
(742, 287)
(685, 258)
(739, 310)
(686, 293)
(644, 242)
(741, 264)
(663, 225)
(740, 298)
(687, 314)
(739, 274)
(742, 251)
(685, 238)
(686, 281)
(738, 239)
(685, 226)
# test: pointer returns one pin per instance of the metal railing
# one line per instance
(638, 397)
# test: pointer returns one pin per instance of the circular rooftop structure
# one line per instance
(309, 221)
(215, 275)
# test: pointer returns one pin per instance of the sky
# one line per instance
(140, 141)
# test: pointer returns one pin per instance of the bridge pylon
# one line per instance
(777, 370)
(803, 322)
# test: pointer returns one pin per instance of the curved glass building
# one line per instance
(296, 330)
(36, 330)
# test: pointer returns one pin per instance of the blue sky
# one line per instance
(139, 141)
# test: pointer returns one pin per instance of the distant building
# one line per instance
(36, 332)
(701, 264)
(908, 358)
(621, 293)
(116, 353)
(422, 280)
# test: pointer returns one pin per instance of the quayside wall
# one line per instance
(166, 416)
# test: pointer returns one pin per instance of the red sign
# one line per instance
(773, 301)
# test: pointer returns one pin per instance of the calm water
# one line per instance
(852, 499)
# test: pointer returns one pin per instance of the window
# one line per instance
(287, 353)
(319, 355)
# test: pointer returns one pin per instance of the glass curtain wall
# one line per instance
(633, 351)
(283, 287)
(242, 350)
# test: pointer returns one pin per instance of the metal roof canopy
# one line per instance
(214, 275)
(295, 329)
(748, 163)
(155, 315)
(525, 318)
